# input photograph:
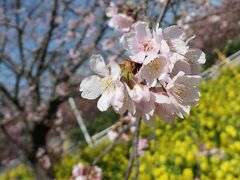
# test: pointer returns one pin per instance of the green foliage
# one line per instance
(228, 48)
(101, 121)
(19, 173)
(95, 125)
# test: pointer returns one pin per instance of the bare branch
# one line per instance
(163, 12)
(110, 146)
(13, 100)
(134, 153)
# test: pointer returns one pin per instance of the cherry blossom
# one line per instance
(183, 92)
(142, 146)
(140, 43)
(107, 84)
(112, 10)
(159, 78)
(119, 21)
(84, 172)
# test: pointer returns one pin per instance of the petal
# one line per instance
(164, 48)
(121, 22)
(196, 56)
(111, 11)
(129, 42)
(128, 102)
(174, 79)
(173, 32)
(91, 87)
(166, 112)
(150, 58)
(158, 35)
(149, 120)
(118, 100)
(142, 30)
(115, 70)
(188, 80)
(105, 100)
(179, 46)
(98, 65)
(181, 65)
(138, 58)
(161, 99)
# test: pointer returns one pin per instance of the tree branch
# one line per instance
(110, 146)
(163, 12)
(134, 153)
(14, 101)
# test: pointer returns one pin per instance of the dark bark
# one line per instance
(39, 136)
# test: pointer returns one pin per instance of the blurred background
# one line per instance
(46, 127)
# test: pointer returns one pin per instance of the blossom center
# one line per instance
(146, 45)
(107, 83)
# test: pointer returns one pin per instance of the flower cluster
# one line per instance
(119, 21)
(81, 172)
(159, 78)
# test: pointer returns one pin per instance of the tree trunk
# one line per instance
(39, 135)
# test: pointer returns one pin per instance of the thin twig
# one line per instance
(163, 12)
(136, 150)
(110, 146)
(134, 153)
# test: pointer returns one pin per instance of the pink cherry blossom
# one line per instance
(70, 35)
(110, 43)
(112, 135)
(84, 172)
(72, 23)
(121, 22)
(156, 69)
(176, 39)
(142, 146)
(89, 19)
(160, 78)
(183, 92)
(111, 11)
(144, 102)
(74, 53)
(140, 43)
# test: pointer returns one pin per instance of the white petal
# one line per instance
(141, 29)
(179, 46)
(161, 99)
(196, 56)
(111, 11)
(138, 58)
(189, 80)
(128, 41)
(118, 100)
(98, 65)
(164, 48)
(91, 87)
(104, 101)
(174, 32)
(115, 70)
(181, 65)
(172, 81)
(150, 58)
